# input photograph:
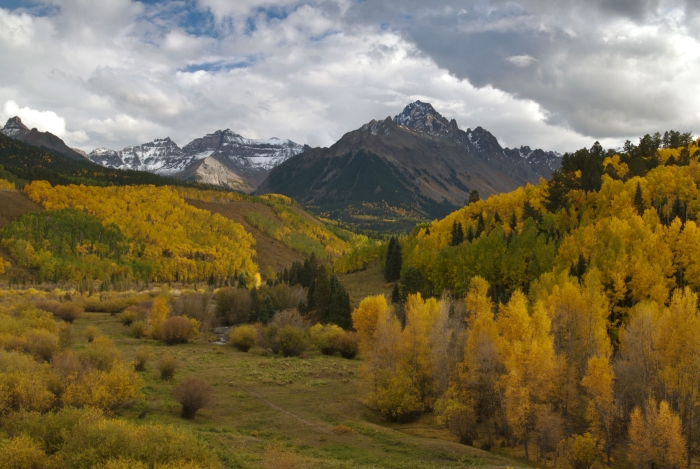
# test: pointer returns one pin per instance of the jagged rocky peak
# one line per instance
(422, 116)
(14, 127)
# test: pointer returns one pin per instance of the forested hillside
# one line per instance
(579, 333)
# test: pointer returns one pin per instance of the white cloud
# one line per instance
(121, 72)
(44, 121)
(521, 60)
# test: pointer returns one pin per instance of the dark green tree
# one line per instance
(392, 267)
(339, 311)
(457, 234)
(639, 199)
(396, 294)
(267, 311)
(474, 196)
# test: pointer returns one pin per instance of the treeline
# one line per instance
(309, 287)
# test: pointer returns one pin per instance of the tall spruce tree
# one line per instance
(457, 234)
(392, 269)
(639, 200)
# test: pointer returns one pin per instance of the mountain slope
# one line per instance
(222, 158)
(389, 174)
(14, 128)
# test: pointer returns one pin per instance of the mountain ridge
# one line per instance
(416, 165)
(15, 128)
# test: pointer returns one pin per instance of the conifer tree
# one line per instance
(457, 234)
(639, 200)
(392, 269)
(396, 294)
(267, 311)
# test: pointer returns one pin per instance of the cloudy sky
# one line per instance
(551, 74)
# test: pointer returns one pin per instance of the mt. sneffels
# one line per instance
(419, 165)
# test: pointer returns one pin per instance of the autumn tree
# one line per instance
(656, 438)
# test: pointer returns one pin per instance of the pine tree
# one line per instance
(242, 281)
(639, 200)
(480, 226)
(457, 234)
(513, 222)
(311, 297)
(254, 304)
(474, 196)
(677, 210)
(470, 234)
(392, 269)
(267, 311)
(396, 294)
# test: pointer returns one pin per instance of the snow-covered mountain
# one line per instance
(232, 160)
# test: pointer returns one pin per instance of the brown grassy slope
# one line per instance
(13, 204)
(270, 252)
(360, 285)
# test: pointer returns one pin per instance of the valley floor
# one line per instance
(286, 412)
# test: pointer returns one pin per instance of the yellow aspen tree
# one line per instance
(159, 313)
(530, 361)
(601, 405)
(364, 320)
(420, 318)
(655, 437)
(482, 367)
(678, 343)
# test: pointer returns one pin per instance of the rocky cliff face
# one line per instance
(14, 128)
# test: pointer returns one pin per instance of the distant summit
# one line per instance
(416, 165)
(14, 128)
(221, 158)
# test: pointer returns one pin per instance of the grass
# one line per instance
(283, 412)
(362, 284)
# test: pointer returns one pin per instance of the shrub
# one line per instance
(178, 330)
(243, 337)
(106, 390)
(101, 353)
(325, 338)
(69, 312)
(65, 335)
(42, 344)
(48, 305)
(143, 354)
(128, 317)
(67, 364)
(289, 317)
(267, 337)
(234, 305)
(138, 329)
(90, 333)
(348, 345)
(291, 340)
(166, 366)
(193, 394)
(22, 452)
(196, 305)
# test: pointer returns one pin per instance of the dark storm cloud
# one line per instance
(607, 68)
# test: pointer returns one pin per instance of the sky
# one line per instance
(556, 75)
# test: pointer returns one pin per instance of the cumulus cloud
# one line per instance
(45, 121)
(556, 76)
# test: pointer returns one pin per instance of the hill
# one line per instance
(14, 128)
(389, 174)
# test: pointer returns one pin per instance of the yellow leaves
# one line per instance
(22, 452)
(656, 437)
(613, 163)
(106, 390)
(7, 185)
(365, 318)
(598, 383)
(175, 235)
(159, 313)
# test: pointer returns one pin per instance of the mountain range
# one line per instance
(222, 158)
(418, 165)
(388, 174)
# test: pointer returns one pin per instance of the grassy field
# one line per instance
(365, 283)
(285, 412)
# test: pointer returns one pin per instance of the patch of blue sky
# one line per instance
(222, 65)
(185, 14)
(34, 8)
(267, 14)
